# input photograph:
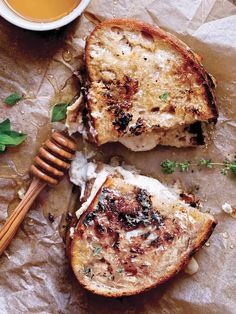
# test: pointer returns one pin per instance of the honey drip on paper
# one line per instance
(12, 205)
(67, 55)
(42, 10)
(92, 18)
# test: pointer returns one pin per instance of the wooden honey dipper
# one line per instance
(52, 162)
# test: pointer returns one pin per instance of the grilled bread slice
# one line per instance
(133, 233)
(143, 80)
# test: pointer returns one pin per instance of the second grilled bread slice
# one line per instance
(141, 80)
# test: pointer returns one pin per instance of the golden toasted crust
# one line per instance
(105, 129)
(206, 225)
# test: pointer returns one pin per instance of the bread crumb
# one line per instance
(6, 254)
(192, 267)
(72, 231)
(225, 235)
(21, 193)
(227, 208)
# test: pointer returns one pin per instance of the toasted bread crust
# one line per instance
(191, 60)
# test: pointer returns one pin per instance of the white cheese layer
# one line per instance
(83, 171)
(144, 142)
(74, 121)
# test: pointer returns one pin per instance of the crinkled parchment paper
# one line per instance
(34, 274)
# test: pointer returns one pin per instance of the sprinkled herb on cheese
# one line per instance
(120, 270)
(164, 96)
(88, 272)
(97, 250)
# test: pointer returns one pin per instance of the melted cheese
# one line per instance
(83, 171)
(74, 121)
(177, 137)
(144, 142)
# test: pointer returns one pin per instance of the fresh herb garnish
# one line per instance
(205, 162)
(2, 147)
(89, 219)
(9, 137)
(12, 99)
(12, 138)
(164, 96)
(169, 166)
(120, 270)
(229, 167)
(59, 112)
(97, 250)
(184, 166)
(5, 125)
(110, 277)
(88, 272)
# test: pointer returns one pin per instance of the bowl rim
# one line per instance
(19, 21)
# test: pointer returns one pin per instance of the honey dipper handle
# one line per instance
(14, 221)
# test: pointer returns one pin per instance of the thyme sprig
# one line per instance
(226, 167)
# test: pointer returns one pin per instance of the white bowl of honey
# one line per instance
(41, 15)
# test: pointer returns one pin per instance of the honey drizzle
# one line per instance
(42, 10)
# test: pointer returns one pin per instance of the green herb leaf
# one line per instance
(2, 148)
(110, 277)
(228, 166)
(120, 270)
(5, 125)
(97, 250)
(164, 96)
(233, 167)
(205, 162)
(12, 138)
(12, 99)
(8, 137)
(224, 171)
(184, 166)
(59, 112)
(168, 166)
(87, 271)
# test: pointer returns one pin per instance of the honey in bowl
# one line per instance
(42, 10)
